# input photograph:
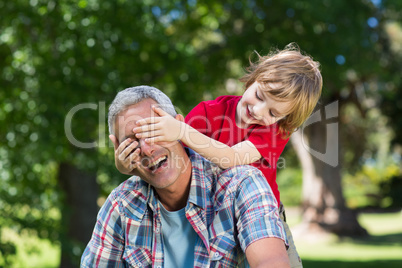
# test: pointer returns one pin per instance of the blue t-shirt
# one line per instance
(179, 239)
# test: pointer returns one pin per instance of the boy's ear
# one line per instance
(179, 117)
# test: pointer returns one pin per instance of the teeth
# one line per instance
(157, 161)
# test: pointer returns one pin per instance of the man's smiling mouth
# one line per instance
(157, 163)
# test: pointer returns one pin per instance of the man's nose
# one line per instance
(146, 148)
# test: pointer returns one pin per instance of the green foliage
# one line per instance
(290, 182)
(7, 249)
(55, 55)
(391, 91)
(289, 178)
(392, 189)
(370, 186)
(29, 251)
(369, 160)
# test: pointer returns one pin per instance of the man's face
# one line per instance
(163, 165)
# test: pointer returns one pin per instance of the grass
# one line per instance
(32, 252)
(307, 263)
(383, 248)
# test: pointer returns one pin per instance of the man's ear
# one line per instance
(115, 141)
(179, 117)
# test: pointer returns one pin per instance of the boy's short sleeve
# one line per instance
(269, 143)
(197, 118)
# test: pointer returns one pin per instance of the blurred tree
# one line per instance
(62, 61)
(361, 70)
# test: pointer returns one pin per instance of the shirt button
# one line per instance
(216, 254)
(157, 230)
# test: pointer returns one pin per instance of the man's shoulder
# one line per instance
(133, 183)
(238, 178)
(241, 172)
(236, 186)
(225, 182)
(131, 196)
(234, 174)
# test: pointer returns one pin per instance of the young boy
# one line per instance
(281, 91)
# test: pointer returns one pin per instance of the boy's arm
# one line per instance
(167, 128)
(219, 153)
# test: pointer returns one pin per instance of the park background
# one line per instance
(62, 62)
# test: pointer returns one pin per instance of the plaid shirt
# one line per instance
(228, 209)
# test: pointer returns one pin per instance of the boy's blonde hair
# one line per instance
(300, 83)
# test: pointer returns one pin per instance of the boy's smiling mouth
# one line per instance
(250, 114)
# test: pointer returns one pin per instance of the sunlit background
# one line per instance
(62, 62)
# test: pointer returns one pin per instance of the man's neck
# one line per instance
(173, 201)
(175, 197)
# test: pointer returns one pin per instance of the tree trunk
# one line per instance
(324, 208)
(79, 213)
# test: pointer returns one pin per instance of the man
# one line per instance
(180, 210)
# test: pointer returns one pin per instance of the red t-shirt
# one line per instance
(217, 119)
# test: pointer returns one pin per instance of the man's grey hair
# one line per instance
(134, 95)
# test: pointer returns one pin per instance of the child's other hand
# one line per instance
(126, 155)
(159, 129)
